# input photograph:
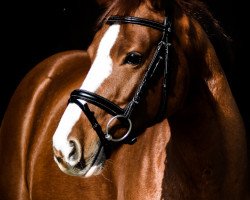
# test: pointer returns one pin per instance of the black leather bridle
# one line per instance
(124, 114)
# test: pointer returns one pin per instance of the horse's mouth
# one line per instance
(97, 163)
(93, 166)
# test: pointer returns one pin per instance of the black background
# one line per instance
(34, 30)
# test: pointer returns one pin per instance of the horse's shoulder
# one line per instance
(53, 78)
(60, 64)
(55, 70)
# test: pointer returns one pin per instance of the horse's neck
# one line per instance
(138, 169)
(207, 137)
(209, 98)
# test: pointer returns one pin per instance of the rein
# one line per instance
(124, 114)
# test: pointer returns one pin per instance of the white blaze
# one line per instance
(99, 71)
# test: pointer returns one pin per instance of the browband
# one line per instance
(136, 20)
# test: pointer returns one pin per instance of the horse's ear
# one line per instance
(103, 2)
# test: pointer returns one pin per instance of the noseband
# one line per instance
(124, 114)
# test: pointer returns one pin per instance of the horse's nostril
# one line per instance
(75, 152)
(58, 154)
(59, 159)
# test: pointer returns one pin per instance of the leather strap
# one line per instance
(90, 115)
(98, 101)
(136, 20)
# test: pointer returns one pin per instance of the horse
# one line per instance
(146, 112)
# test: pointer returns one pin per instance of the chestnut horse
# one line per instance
(145, 113)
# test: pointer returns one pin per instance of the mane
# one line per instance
(194, 9)
(199, 11)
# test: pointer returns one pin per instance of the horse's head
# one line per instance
(123, 92)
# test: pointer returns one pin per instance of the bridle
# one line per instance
(124, 114)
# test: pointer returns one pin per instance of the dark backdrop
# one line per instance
(34, 30)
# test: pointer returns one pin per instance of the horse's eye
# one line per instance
(133, 58)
